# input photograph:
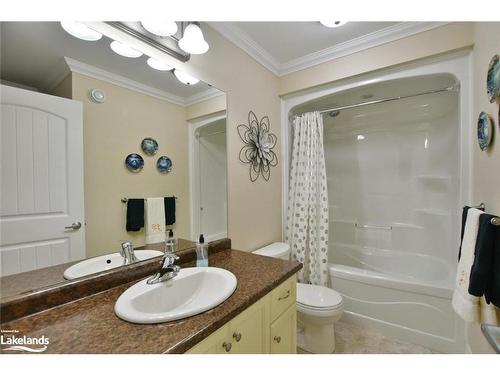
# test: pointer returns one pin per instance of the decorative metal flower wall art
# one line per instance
(258, 149)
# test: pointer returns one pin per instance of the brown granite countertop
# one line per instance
(89, 325)
(26, 282)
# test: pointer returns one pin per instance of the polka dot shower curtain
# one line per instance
(307, 218)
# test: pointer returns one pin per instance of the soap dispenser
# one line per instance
(201, 252)
(170, 243)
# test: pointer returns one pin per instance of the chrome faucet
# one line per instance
(167, 271)
(127, 252)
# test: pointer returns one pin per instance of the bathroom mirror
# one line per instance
(85, 130)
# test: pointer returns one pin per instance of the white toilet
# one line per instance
(318, 308)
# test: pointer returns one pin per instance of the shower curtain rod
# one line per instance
(390, 99)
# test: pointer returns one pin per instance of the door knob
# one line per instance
(277, 339)
(74, 226)
(227, 346)
(237, 336)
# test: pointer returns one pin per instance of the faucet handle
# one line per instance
(168, 260)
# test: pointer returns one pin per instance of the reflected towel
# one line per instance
(169, 210)
(155, 220)
(471, 308)
(135, 215)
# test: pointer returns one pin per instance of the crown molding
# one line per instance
(210, 93)
(377, 38)
(79, 67)
(247, 44)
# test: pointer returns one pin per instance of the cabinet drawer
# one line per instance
(284, 296)
(284, 333)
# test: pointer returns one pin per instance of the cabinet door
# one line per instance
(213, 344)
(284, 333)
(249, 331)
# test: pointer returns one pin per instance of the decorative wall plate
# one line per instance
(493, 79)
(484, 130)
(164, 164)
(149, 146)
(134, 162)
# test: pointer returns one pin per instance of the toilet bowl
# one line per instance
(318, 308)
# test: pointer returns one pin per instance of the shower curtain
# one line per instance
(307, 217)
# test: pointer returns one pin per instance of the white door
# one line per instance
(41, 208)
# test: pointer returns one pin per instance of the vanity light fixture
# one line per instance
(333, 23)
(80, 31)
(192, 40)
(158, 65)
(124, 50)
(185, 78)
(160, 28)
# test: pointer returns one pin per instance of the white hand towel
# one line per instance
(155, 220)
(470, 308)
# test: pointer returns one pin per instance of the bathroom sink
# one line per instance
(104, 262)
(193, 291)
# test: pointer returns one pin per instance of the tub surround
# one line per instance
(63, 291)
(89, 324)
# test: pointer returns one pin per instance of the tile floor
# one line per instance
(354, 339)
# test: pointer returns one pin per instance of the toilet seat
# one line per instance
(318, 298)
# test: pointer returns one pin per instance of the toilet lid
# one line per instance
(318, 297)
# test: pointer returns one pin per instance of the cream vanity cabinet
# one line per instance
(268, 326)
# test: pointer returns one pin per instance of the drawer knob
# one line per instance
(227, 346)
(277, 339)
(237, 336)
(285, 296)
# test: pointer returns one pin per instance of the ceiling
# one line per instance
(32, 54)
(285, 47)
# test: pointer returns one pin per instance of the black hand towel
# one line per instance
(482, 271)
(135, 214)
(169, 210)
(492, 293)
(464, 220)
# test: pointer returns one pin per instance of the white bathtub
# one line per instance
(400, 307)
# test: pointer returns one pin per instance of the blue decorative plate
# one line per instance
(164, 164)
(134, 162)
(149, 146)
(493, 79)
(484, 130)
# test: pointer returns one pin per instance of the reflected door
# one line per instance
(42, 209)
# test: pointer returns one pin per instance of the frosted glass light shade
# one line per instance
(185, 78)
(333, 23)
(192, 41)
(124, 50)
(160, 28)
(80, 31)
(158, 65)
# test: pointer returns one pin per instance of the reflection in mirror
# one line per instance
(99, 149)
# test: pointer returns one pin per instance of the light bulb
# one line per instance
(192, 41)
(333, 23)
(160, 28)
(124, 50)
(185, 78)
(158, 65)
(80, 31)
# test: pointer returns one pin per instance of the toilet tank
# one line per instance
(276, 250)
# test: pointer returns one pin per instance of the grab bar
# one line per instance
(368, 226)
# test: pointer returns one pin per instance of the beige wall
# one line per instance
(113, 130)
(207, 107)
(433, 42)
(64, 88)
(254, 209)
(486, 164)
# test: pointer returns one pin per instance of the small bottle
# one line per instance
(170, 243)
(201, 253)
